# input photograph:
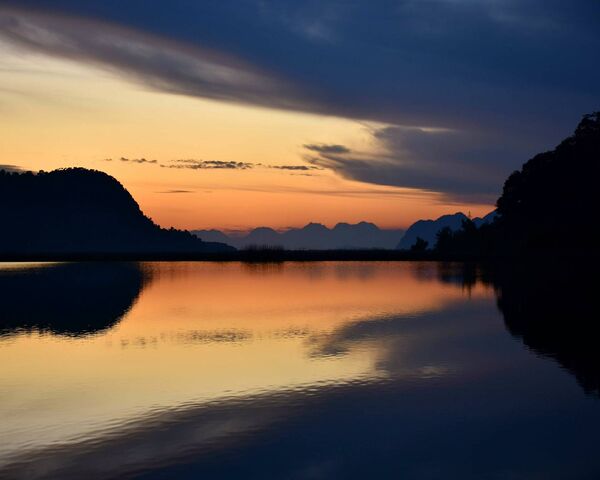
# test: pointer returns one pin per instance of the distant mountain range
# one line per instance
(314, 236)
(80, 211)
(428, 229)
(343, 236)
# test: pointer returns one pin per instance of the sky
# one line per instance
(236, 114)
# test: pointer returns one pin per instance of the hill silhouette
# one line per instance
(313, 236)
(547, 206)
(80, 211)
(552, 201)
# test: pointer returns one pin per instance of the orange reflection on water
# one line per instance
(200, 332)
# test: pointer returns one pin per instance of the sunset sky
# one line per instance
(236, 114)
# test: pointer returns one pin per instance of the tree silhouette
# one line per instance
(549, 205)
(419, 246)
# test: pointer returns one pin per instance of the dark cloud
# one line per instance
(161, 63)
(517, 73)
(462, 167)
(401, 62)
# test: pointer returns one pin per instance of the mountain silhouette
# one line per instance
(75, 211)
(427, 229)
(314, 236)
(486, 219)
(68, 299)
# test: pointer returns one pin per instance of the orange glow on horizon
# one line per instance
(57, 114)
(201, 332)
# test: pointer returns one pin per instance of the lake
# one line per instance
(296, 370)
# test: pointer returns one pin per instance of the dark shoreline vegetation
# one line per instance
(546, 210)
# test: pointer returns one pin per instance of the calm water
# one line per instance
(316, 370)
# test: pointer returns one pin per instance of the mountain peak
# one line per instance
(314, 226)
(263, 230)
(428, 229)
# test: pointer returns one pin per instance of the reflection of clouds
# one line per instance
(188, 337)
(323, 270)
(159, 439)
(417, 348)
(168, 437)
(271, 368)
(432, 371)
(413, 345)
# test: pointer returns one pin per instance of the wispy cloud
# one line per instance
(158, 62)
(12, 168)
(137, 160)
(196, 164)
(133, 160)
(192, 164)
(326, 148)
(295, 167)
(177, 191)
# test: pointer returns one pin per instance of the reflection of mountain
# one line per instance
(428, 229)
(68, 299)
(81, 211)
(313, 236)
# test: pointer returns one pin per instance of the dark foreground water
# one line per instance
(299, 371)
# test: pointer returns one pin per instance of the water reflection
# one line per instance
(66, 299)
(321, 370)
(553, 308)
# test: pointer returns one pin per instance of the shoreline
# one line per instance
(290, 256)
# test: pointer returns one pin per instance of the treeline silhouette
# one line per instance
(80, 211)
(550, 205)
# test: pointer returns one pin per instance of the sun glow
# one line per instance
(59, 113)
